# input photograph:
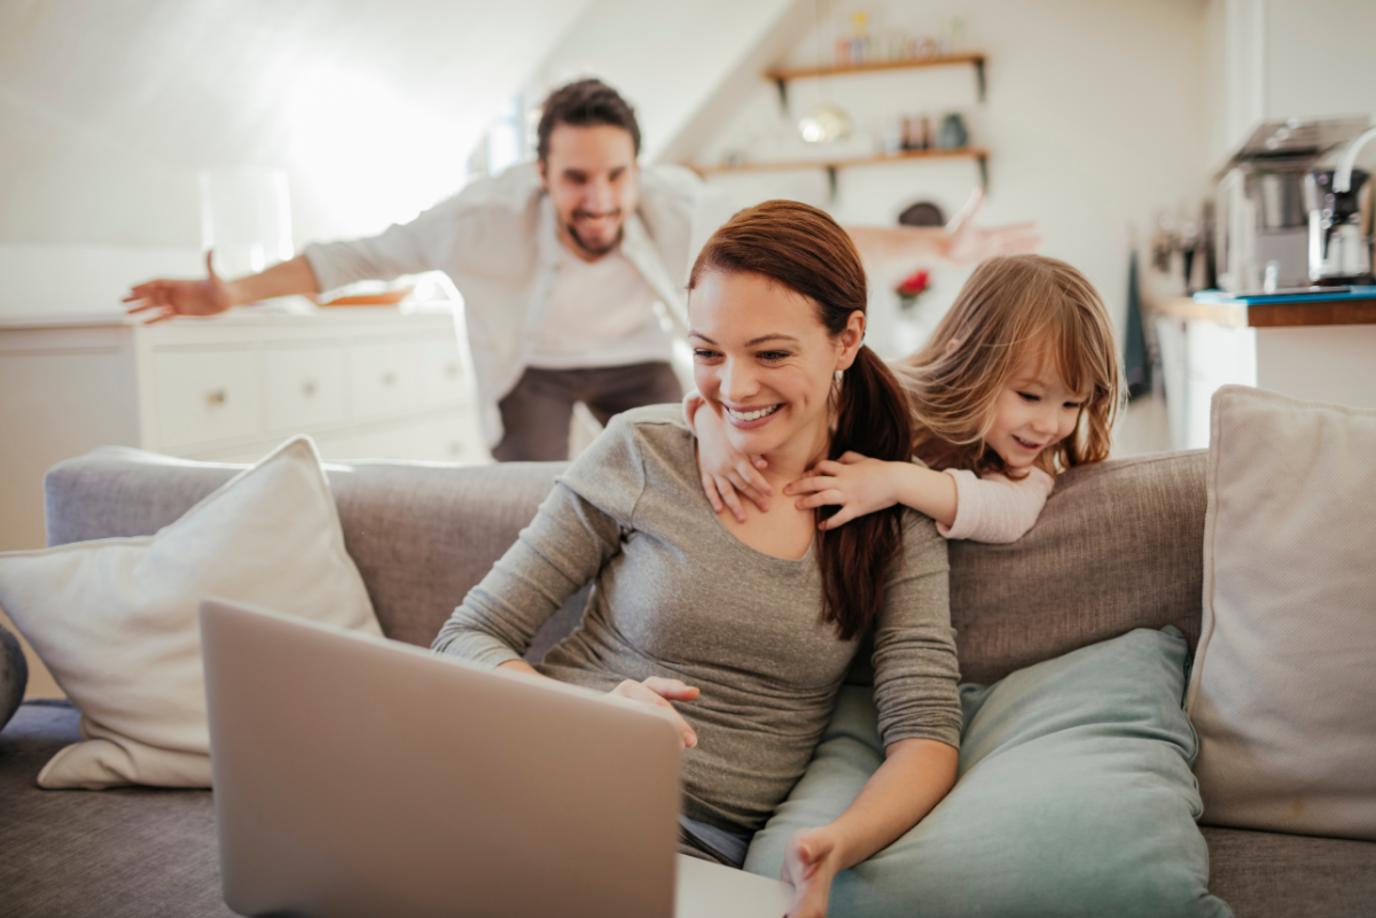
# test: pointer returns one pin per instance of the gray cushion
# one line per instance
(1298, 876)
(135, 852)
(14, 675)
(1119, 546)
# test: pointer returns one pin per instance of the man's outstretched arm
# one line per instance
(167, 299)
(960, 241)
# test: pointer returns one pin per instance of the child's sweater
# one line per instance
(996, 508)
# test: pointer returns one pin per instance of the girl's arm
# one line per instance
(915, 776)
(725, 470)
(859, 485)
(996, 509)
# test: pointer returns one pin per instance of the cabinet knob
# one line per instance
(308, 388)
(389, 379)
(217, 396)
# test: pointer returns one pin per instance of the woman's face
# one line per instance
(765, 363)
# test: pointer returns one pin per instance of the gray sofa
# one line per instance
(1118, 547)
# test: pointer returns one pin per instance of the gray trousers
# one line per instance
(536, 414)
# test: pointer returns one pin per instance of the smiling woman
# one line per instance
(744, 630)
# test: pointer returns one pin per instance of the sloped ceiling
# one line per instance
(108, 110)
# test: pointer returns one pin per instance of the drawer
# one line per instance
(451, 439)
(304, 388)
(206, 396)
(445, 379)
(386, 378)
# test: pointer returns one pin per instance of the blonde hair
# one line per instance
(1009, 308)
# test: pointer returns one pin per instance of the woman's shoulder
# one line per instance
(618, 457)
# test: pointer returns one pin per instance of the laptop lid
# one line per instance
(356, 776)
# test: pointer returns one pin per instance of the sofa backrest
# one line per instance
(1118, 547)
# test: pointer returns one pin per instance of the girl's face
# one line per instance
(1033, 411)
(765, 364)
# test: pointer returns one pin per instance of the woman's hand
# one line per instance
(726, 472)
(657, 693)
(857, 484)
(810, 864)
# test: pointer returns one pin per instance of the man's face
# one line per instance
(590, 175)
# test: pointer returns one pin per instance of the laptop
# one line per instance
(356, 776)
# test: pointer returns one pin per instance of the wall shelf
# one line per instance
(979, 154)
(782, 75)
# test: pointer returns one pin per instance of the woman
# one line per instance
(746, 629)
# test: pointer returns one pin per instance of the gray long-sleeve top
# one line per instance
(677, 595)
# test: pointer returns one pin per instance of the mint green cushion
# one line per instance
(1074, 797)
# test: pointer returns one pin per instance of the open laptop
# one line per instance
(356, 776)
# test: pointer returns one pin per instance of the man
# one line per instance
(572, 271)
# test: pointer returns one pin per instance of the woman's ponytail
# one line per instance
(806, 251)
(873, 419)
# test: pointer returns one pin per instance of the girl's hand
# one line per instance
(725, 471)
(657, 692)
(858, 484)
(810, 865)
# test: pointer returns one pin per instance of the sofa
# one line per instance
(1118, 547)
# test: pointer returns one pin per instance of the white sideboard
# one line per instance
(363, 382)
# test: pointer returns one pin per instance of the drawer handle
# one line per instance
(217, 396)
(389, 379)
(308, 388)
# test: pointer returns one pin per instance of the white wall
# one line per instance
(108, 110)
(1094, 121)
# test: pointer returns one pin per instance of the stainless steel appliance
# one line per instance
(1263, 240)
(1339, 204)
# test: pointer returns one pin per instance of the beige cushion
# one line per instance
(1284, 683)
(115, 619)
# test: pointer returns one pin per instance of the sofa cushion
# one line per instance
(115, 619)
(1283, 685)
(1074, 797)
(130, 852)
(421, 534)
(1116, 548)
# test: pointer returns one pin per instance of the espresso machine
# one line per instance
(1340, 213)
(1267, 197)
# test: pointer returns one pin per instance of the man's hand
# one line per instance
(173, 298)
(657, 692)
(810, 865)
(968, 244)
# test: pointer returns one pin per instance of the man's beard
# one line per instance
(597, 250)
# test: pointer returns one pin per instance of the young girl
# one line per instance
(1018, 383)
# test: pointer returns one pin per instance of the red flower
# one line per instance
(914, 284)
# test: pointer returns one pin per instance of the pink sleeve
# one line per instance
(996, 508)
(691, 403)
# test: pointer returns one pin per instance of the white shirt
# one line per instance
(995, 508)
(497, 240)
(601, 314)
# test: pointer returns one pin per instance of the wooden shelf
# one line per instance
(979, 154)
(782, 75)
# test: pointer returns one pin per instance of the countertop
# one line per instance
(1354, 307)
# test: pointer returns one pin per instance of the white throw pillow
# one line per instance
(1283, 692)
(115, 619)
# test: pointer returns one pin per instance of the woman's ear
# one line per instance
(851, 339)
(951, 346)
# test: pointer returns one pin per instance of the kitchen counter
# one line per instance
(1357, 307)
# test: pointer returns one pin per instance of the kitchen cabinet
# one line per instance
(363, 382)
(1279, 59)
